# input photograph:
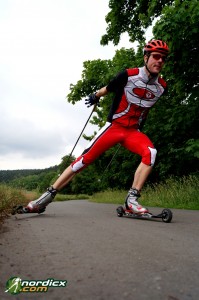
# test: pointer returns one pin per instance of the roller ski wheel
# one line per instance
(17, 209)
(166, 215)
(120, 211)
(20, 209)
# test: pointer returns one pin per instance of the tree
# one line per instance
(131, 16)
(179, 25)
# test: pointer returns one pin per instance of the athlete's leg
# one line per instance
(64, 178)
(141, 175)
(107, 137)
(139, 143)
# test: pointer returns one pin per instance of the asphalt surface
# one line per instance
(101, 256)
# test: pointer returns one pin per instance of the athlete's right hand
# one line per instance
(91, 100)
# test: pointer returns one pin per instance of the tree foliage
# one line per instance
(131, 16)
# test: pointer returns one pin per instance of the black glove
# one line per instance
(91, 100)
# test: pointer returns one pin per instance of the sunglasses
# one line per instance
(158, 56)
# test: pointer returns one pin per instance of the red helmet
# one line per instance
(156, 46)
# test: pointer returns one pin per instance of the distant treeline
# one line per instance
(9, 175)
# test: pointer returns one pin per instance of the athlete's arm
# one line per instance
(118, 82)
(102, 92)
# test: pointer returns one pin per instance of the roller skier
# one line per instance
(135, 90)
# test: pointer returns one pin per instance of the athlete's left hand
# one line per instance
(91, 100)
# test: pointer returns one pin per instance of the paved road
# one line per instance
(102, 257)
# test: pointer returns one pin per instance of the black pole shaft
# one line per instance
(82, 131)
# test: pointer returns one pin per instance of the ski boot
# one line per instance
(38, 205)
(131, 202)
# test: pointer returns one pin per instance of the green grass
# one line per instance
(10, 197)
(174, 193)
(182, 193)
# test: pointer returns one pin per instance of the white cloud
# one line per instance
(43, 46)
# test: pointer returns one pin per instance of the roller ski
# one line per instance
(37, 206)
(165, 215)
(20, 209)
(134, 210)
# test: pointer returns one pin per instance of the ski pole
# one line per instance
(114, 155)
(82, 131)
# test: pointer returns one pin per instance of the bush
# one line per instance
(11, 197)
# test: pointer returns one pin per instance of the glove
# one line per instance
(91, 100)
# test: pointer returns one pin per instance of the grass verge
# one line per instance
(10, 197)
(180, 193)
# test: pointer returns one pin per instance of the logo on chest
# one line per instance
(143, 93)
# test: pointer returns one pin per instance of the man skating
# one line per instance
(136, 90)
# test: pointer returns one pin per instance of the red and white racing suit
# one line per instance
(135, 94)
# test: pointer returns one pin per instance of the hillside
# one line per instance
(9, 175)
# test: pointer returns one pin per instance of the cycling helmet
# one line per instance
(156, 46)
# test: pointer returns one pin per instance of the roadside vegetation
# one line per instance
(10, 197)
(180, 193)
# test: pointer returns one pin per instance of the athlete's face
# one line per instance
(155, 62)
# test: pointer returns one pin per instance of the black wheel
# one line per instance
(17, 209)
(120, 211)
(167, 215)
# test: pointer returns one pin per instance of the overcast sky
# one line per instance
(43, 44)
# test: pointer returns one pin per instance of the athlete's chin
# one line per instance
(156, 70)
